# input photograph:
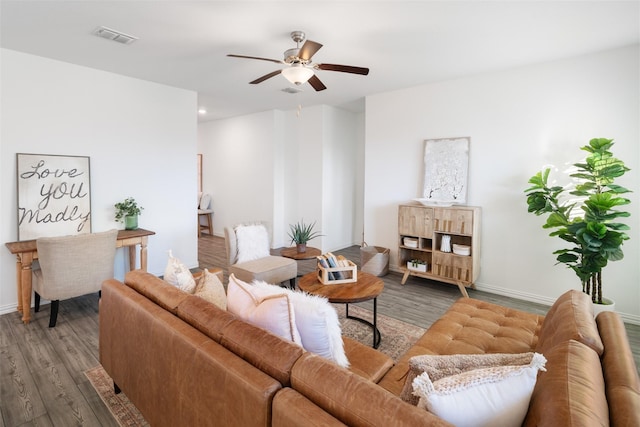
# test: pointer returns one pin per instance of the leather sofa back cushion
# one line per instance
(156, 289)
(570, 318)
(265, 351)
(571, 393)
(204, 316)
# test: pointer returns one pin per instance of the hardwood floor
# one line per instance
(42, 381)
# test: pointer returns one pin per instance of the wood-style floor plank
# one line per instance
(66, 406)
(101, 412)
(19, 394)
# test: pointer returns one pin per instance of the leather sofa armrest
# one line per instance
(622, 384)
(366, 361)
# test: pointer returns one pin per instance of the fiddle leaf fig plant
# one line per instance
(589, 220)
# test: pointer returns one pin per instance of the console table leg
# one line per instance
(19, 283)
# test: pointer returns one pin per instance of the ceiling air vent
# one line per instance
(116, 36)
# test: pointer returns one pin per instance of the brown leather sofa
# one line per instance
(183, 361)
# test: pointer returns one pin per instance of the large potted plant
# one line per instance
(127, 211)
(593, 232)
(301, 233)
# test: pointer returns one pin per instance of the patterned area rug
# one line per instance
(119, 405)
(397, 337)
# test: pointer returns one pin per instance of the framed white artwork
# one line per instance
(446, 168)
(54, 195)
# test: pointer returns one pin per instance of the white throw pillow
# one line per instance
(273, 312)
(177, 274)
(440, 366)
(253, 242)
(210, 288)
(317, 322)
(495, 396)
(205, 201)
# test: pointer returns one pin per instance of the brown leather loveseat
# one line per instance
(183, 361)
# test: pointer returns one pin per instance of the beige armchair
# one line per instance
(270, 268)
(71, 266)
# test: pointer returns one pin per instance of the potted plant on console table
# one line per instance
(127, 211)
(595, 235)
(301, 233)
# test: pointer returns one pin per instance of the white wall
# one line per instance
(282, 167)
(238, 168)
(140, 137)
(340, 169)
(518, 120)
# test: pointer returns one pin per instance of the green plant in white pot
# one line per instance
(301, 233)
(589, 220)
(127, 211)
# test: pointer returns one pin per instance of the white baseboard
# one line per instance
(526, 296)
(9, 308)
(12, 308)
(626, 317)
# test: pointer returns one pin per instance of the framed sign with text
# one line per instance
(54, 195)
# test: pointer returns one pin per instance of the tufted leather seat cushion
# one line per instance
(471, 326)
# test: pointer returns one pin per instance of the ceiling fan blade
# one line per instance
(343, 68)
(265, 77)
(315, 82)
(308, 49)
(277, 61)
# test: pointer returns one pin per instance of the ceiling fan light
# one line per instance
(297, 74)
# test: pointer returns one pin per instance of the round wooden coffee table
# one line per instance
(293, 253)
(366, 288)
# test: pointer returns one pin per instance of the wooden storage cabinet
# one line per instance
(424, 227)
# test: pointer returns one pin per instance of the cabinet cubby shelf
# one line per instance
(427, 225)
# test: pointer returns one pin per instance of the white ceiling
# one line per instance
(404, 43)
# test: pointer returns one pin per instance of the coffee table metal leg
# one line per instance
(377, 336)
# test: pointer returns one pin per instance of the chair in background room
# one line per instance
(71, 266)
(248, 251)
(204, 210)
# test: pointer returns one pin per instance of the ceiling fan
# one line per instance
(299, 67)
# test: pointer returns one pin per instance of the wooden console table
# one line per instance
(27, 251)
